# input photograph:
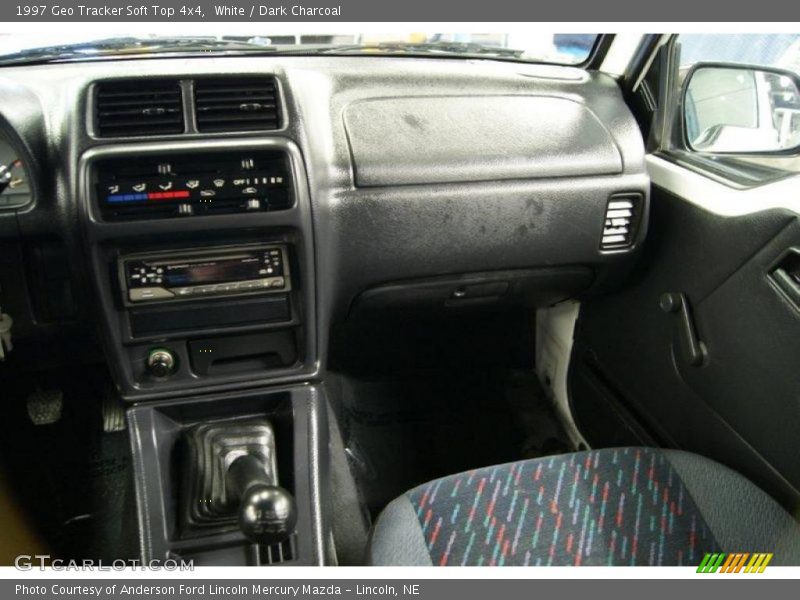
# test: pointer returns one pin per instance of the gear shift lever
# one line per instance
(267, 512)
(232, 475)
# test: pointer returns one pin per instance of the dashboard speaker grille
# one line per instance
(138, 108)
(623, 214)
(237, 104)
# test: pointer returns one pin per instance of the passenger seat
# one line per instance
(623, 506)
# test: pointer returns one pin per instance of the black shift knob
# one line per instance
(267, 513)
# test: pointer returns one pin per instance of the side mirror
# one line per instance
(740, 109)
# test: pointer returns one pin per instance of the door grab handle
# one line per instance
(788, 284)
(693, 349)
(786, 275)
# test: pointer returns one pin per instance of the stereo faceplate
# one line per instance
(193, 274)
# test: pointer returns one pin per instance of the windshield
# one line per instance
(567, 49)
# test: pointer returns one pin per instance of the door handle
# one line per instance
(693, 350)
(786, 275)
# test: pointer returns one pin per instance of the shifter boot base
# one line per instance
(211, 449)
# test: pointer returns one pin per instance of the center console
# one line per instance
(202, 256)
(192, 502)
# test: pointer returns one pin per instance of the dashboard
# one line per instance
(203, 223)
(14, 184)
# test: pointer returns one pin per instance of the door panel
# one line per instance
(752, 375)
(630, 381)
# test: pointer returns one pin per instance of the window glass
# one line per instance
(531, 46)
(768, 49)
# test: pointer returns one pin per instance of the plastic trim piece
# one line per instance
(555, 329)
(718, 198)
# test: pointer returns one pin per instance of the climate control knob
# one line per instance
(161, 362)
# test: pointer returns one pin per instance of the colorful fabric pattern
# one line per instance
(604, 507)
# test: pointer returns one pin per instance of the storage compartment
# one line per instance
(528, 287)
(207, 315)
(242, 353)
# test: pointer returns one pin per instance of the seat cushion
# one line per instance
(625, 506)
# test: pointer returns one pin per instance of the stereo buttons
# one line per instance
(217, 288)
(149, 293)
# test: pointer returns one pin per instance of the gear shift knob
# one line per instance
(267, 513)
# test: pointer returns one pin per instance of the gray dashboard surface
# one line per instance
(397, 141)
(528, 188)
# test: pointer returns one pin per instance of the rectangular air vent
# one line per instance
(138, 108)
(622, 221)
(237, 104)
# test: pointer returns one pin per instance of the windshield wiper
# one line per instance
(129, 45)
(440, 47)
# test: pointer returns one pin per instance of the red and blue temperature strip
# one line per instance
(149, 196)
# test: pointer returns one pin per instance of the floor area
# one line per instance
(418, 399)
(406, 430)
(412, 399)
(71, 479)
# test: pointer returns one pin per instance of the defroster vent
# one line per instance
(622, 221)
(237, 104)
(138, 108)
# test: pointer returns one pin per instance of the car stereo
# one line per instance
(195, 274)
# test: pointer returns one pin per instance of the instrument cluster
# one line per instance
(15, 189)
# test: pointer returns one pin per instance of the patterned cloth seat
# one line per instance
(619, 506)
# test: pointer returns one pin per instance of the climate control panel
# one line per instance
(203, 183)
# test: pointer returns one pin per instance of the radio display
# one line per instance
(213, 271)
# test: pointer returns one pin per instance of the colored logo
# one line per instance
(737, 562)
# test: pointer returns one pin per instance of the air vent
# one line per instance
(622, 221)
(138, 108)
(237, 104)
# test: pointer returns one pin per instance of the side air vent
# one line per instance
(237, 104)
(138, 108)
(622, 221)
